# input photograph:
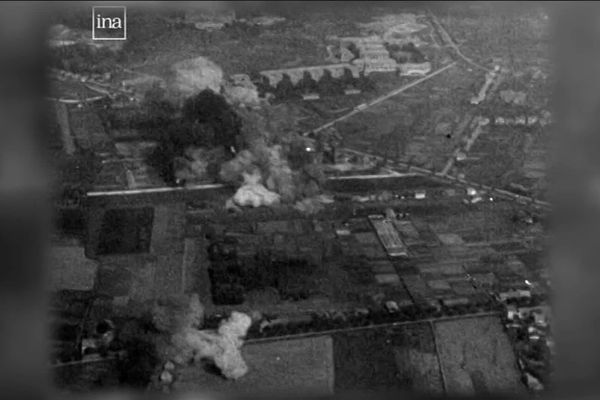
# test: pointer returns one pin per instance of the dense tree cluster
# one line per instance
(238, 30)
(406, 53)
(82, 58)
(77, 172)
(327, 85)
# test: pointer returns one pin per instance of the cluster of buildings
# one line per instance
(119, 154)
(528, 325)
(527, 317)
(207, 17)
(315, 72)
(523, 136)
(357, 55)
(371, 54)
(93, 90)
(544, 119)
(61, 37)
(493, 79)
(408, 262)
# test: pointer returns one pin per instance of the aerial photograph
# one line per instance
(265, 198)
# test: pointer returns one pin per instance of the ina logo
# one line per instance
(109, 23)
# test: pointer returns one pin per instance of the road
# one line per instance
(445, 37)
(375, 326)
(391, 166)
(362, 107)
(402, 167)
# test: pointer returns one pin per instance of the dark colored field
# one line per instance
(383, 359)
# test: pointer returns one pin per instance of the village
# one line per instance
(382, 181)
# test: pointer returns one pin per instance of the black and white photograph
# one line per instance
(254, 198)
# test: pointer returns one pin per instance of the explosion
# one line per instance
(275, 165)
(254, 146)
(187, 343)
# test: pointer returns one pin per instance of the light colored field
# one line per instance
(69, 269)
(476, 357)
(290, 366)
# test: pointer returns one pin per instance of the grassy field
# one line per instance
(476, 357)
(400, 358)
(474, 354)
(499, 30)
(286, 367)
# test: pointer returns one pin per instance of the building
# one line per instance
(316, 72)
(370, 52)
(415, 69)
(211, 16)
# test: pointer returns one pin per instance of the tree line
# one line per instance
(326, 85)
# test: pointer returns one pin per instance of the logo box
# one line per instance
(109, 23)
